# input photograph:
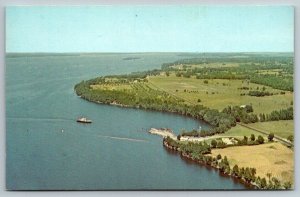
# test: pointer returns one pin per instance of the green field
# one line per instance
(239, 131)
(219, 93)
(282, 128)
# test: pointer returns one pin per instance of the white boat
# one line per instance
(84, 120)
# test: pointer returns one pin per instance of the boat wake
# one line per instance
(122, 138)
(112, 137)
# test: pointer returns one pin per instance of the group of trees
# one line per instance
(252, 140)
(188, 148)
(136, 75)
(283, 114)
(218, 144)
(241, 114)
(199, 152)
(244, 114)
(259, 93)
(277, 82)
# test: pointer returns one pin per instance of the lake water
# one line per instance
(47, 149)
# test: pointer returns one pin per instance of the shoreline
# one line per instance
(141, 108)
(165, 132)
(248, 185)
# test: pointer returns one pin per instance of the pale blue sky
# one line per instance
(150, 29)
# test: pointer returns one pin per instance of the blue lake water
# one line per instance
(48, 150)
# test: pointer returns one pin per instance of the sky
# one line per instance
(150, 29)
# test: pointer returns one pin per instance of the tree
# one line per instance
(276, 182)
(213, 143)
(199, 100)
(269, 175)
(270, 137)
(235, 170)
(178, 137)
(260, 139)
(252, 137)
(226, 160)
(221, 144)
(205, 81)
(291, 138)
(245, 140)
(219, 157)
(249, 108)
(263, 183)
(287, 185)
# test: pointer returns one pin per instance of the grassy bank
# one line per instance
(282, 128)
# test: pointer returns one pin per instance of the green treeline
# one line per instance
(278, 82)
(283, 114)
(259, 93)
(242, 114)
(228, 58)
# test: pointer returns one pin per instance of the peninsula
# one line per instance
(247, 99)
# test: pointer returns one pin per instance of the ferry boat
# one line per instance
(84, 120)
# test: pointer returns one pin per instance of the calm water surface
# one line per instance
(47, 149)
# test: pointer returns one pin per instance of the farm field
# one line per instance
(219, 93)
(239, 131)
(281, 128)
(272, 158)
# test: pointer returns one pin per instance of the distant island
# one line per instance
(131, 58)
(246, 98)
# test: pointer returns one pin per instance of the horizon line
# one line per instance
(159, 52)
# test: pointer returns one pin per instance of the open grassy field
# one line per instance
(219, 93)
(239, 131)
(111, 87)
(282, 128)
(272, 158)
